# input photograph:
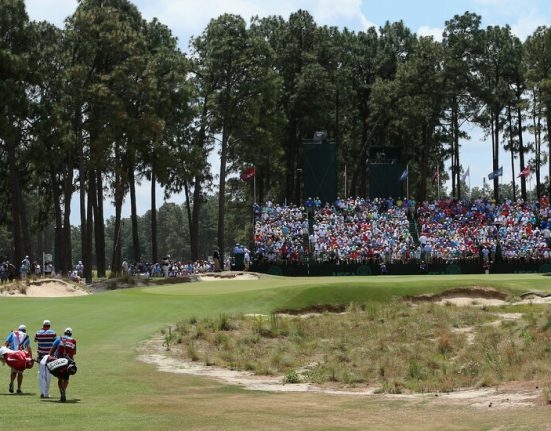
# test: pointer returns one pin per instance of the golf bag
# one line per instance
(19, 360)
(61, 367)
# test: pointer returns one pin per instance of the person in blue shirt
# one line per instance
(64, 346)
(18, 340)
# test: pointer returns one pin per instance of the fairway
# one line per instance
(113, 390)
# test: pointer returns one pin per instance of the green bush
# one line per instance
(291, 377)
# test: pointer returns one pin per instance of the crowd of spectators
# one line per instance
(171, 268)
(462, 231)
(360, 230)
(280, 231)
(357, 230)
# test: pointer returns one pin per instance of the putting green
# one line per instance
(112, 390)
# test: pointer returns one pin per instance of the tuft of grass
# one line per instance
(192, 352)
(291, 377)
(223, 323)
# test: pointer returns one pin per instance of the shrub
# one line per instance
(444, 344)
(291, 377)
(192, 352)
(223, 323)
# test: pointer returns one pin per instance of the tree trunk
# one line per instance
(99, 226)
(291, 162)
(521, 152)
(197, 189)
(537, 143)
(456, 158)
(25, 228)
(260, 185)
(119, 195)
(59, 243)
(512, 148)
(424, 166)
(15, 195)
(189, 219)
(197, 204)
(82, 186)
(154, 252)
(453, 163)
(495, 152)
(134, 215)
(89, 227)
(222, 192)
(66, 262)
(359, 182)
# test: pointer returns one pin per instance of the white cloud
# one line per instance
(54, 11)
(189, 18)
(526, 24)
(435, 32)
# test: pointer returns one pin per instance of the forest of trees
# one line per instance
(89, 110)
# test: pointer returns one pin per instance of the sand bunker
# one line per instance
(45, 288)
(509, 395)
(227, 275)
(479, 296)
(463, 296)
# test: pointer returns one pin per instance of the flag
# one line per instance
(436, 175)
(466, 174)
(496, 173)
(525, 172)
(404, 175)
(247, 174)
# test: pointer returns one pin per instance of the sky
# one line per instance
(188, 18)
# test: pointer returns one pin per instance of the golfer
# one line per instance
(64, 346)
(18, 340)
(45, 338)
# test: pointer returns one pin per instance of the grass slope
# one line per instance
(114, 391)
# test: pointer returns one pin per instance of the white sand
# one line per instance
(466, 301)
(227, 276)
(48, 288)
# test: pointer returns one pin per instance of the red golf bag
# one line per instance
(19, 360)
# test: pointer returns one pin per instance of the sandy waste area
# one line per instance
(506, 396)
(227, 275)
(45, 288)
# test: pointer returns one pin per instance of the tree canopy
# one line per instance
(96, 107)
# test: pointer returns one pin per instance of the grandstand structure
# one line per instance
(399, 236)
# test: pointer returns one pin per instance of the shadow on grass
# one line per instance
(57, 401)
(24, 394)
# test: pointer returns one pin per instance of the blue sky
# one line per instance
(427, 17)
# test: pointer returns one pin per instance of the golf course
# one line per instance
(113, 390)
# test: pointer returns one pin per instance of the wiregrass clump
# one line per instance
(395, 346)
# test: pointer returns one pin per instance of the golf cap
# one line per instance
(68, 331)
(22, 328)
(46, 323)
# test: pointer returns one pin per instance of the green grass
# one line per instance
(114, 391)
